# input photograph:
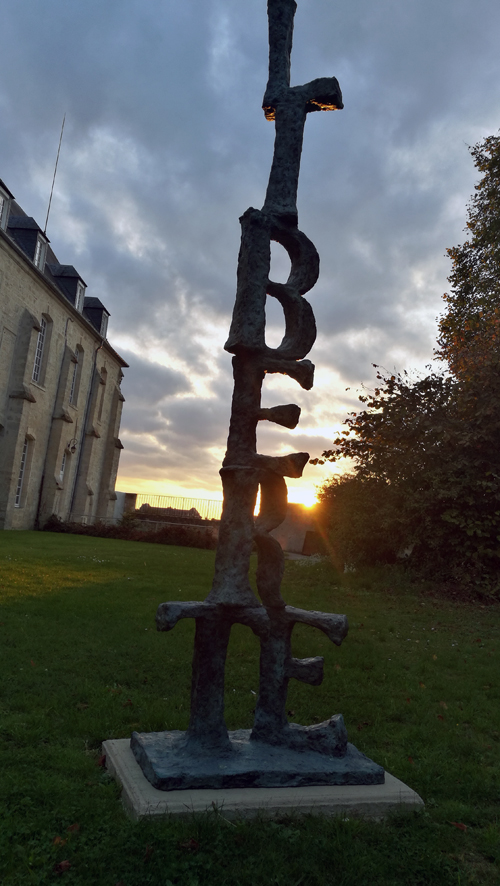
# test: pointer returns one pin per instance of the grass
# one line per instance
(416, 680)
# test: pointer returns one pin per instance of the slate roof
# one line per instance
(19, 221)
(92, 302)
(23, 222)
(58, 270)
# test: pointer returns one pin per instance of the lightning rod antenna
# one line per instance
(54, 178)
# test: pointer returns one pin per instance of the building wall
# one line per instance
(125, 504)
(37, 417)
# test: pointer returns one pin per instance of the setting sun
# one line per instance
(306, 496)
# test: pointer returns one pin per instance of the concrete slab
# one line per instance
(141, 799)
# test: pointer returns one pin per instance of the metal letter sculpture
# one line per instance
(275, 752)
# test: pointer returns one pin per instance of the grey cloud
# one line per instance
(146, 379)
(165, 146)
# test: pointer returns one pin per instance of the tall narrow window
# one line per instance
(72, 397)
(63, 468)
(104, 376)
(37, 368)
(76, 375)
(22, 470)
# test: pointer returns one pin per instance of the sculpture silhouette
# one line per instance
(276, 752)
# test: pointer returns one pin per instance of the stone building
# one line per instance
(60, 399)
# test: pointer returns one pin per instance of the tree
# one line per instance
(425, 453)
(426, 478)
(469, 331)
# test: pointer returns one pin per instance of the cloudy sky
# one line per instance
(165, 146)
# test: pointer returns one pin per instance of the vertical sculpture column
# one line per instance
(243, 468)
(242, 758)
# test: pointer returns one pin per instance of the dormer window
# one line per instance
(80, 296)
(4, 211)
(40, 251)
(68, 280)
(5, 198)
(96, 313)
(29, 237)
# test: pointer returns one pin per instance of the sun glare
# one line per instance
(305, 496)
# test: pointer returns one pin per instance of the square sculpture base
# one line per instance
(141, 799)
(165, 762)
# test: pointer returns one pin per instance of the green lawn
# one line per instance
(417, 681)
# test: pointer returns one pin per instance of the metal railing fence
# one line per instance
(206, 508)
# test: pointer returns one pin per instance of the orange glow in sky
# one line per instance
(305, 495)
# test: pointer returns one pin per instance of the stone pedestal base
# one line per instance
(249, 764)
(141, 799)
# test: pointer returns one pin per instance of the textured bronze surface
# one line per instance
(231, 599)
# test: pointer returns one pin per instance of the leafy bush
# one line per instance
(361, 521)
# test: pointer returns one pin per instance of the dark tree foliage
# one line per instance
(425, 451)
(361, 521)
(469, 331)
(426, 477)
